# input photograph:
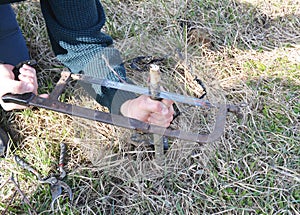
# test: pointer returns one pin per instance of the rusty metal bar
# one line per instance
(53, 104)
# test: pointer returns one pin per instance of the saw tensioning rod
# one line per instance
(52, 103)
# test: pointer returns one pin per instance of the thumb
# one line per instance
(45, 96)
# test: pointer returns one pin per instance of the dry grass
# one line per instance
(244, 52)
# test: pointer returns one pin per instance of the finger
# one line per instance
(18, 87)
(156, 121)
(26, 67)
(45, 96)
(160, 117)
(166, 110)
(167, 102)
(146, 104)
(158, 106)
(26, 78)
(29, 79)
(161, 120)
(28, 73)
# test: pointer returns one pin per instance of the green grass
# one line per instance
(244, 51)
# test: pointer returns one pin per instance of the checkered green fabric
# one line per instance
(74, 28)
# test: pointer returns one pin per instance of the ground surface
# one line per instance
(245, 52)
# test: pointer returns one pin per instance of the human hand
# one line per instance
(148, 110)
(27, 83)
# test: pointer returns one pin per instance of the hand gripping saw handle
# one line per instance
(52, 103)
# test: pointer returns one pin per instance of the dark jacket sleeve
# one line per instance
(74, 29)
(9, 1)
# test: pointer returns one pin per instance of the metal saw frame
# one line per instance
(53, 103)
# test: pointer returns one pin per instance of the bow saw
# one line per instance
(53, 103)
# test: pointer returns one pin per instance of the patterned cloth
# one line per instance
(74, 28)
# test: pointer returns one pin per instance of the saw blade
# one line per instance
(143, 90)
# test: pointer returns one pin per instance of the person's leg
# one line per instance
(13, 50)
(13, 47)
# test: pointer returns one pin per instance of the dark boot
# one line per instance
(3, 142)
